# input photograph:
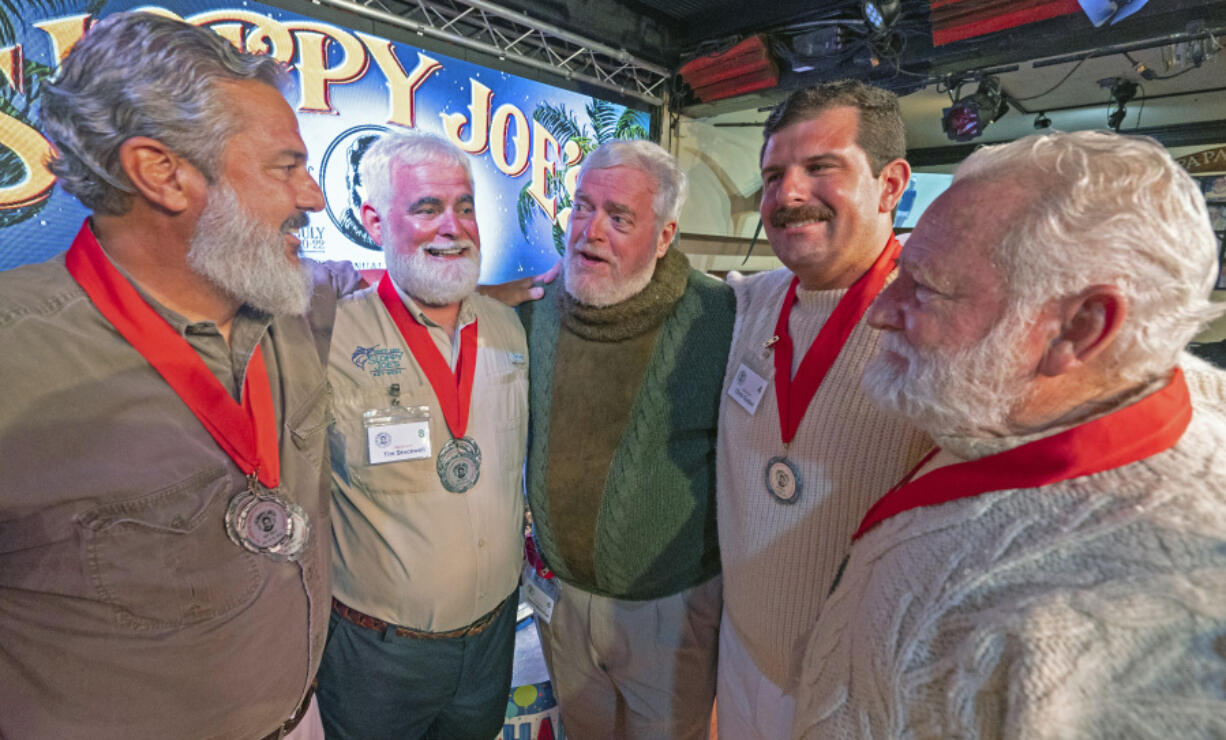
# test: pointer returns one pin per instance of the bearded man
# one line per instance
(163, 506)
(1057, 566)
(628, 363)
(430, 393)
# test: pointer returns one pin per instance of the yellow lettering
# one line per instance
(11, 68)
(479, 130)
(267, 36)
(401, 87)
(542, 167)
(64, 33)
(32, 150)
(572, 153)
(316, 76)
(499, 127)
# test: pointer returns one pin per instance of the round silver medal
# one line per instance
(783, 480)
(268, 523)
(459, 464)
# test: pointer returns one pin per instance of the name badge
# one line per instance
(397, 433)
(540, 593)
(747, 388)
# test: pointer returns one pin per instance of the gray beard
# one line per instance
(246, 259)
(430, 283)
(600, 292)
(970, 393)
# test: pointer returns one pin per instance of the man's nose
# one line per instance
(310, 197)
(884, 314)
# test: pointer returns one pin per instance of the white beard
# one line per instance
(246, 259)
(432, 281)
(966, 393)
(603, 291)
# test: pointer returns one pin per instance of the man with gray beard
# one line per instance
(627, 365)
(1057, 566)
(163, 505)
(430, 394)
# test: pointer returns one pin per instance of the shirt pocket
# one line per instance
(164, 560)
(350, 456)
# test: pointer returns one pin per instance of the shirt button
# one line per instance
(481, 543)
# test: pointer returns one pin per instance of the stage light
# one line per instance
(1122, 91)
(880, 15)
(969, 116)
(1042, 121)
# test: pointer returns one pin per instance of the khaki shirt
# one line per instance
(405, 549)
(125, 610)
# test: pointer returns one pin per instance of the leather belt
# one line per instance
(294, 719)
(350, 614)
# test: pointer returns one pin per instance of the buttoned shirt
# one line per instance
(125, 609)
(405, 549)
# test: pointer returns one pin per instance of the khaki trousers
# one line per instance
(634, 670)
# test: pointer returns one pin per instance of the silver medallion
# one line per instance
(459, 464)
(263, 521)
(783, 480)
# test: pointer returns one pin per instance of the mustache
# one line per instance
(783, 215)
(298, 221)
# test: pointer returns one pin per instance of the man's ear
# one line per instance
(159, 175)
(373, 223)
(893, 180)
(1089, 322)
(666, 238)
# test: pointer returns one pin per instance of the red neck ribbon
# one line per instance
(454, 390)
(793, 395)
(1135, 432)
(247, 432)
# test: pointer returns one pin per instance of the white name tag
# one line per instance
(397, 433)
(540, 593)
(747, 388)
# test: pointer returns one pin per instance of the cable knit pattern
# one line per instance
(1091, 608)
(655, 531)
(780, 559)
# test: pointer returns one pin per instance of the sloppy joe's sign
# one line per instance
(526, 137)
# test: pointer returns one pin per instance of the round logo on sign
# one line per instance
(341, 181)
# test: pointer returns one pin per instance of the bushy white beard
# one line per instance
(603, 291)
(965, 393)
(245, 258)
(433, 283)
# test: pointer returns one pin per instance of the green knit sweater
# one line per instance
(655, 529)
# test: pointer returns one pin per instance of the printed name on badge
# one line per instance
(747, 388)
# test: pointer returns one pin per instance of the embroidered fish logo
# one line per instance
(361, 355)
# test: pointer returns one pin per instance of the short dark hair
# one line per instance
(880, 134)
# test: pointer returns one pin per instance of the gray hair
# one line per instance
(1108, 209)
(652, 159)
(140, 74)
(410, 147)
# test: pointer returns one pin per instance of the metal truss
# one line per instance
(513, 36)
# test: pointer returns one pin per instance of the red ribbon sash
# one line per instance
(247, 432)
(794, 395)
(1135, 432)
(454, 391)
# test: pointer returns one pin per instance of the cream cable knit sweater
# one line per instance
(780, 559)
(1093, 608)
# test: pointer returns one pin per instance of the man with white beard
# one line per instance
(163, 505)
(430, 392)
(628, 360)
(1057, 566)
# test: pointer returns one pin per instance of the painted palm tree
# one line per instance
(19, 106)
(606, 122)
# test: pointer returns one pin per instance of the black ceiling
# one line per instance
(669, 32)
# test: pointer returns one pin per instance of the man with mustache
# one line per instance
(1056, 567)
(802, 453)
(430, 391)
(163, 505)
(627, 367)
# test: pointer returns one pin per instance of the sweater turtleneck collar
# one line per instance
(636, 315)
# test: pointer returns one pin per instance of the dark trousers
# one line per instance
(374, 685)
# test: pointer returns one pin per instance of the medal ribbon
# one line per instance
(247, 432)
(1135, 432)
(454, 390)
(794, 395)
